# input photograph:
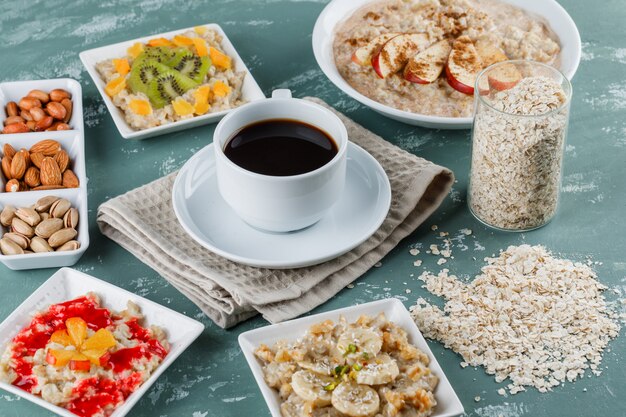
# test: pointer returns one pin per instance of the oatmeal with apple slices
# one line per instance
(167, 80)
(83, 357)
(423, 56)
(361, 369)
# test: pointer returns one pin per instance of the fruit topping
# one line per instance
(159, 42)
(181, 40)
(163, 89)
(363, 55)
(61, 337)
(201, 96)
(220, 89)
(77, 330)
(426, 66)
(394, 54)
(121, 66)
(101, 340)
(140, 107)
(192, 66)
(504, 77)
(200, 30)
(182, 107)
(220, 59)
(144, 70)
(463, 66)
(115, 86)
(489, 53)
(59, 357)
(135, 50)
(80, 363)
(201, 47)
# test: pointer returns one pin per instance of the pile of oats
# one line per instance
(528, 316)
(516, 159)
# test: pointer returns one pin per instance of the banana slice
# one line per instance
(356, 341)
(355, 400)
(319, 366)
(310, 387)
(381, 370)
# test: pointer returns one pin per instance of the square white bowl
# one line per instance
(68, 284)
(73, 142)
(448, 403)
(250, 90)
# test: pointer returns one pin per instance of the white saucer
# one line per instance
(203, 214)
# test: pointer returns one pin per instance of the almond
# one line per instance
(27, 103)
(6, 167)
(18, 166)
(63, 160)
(44, 123)
(48, 147)
(39, 95)
(16, 128)
(13, 119)
(36, 158)
(32, 125)
(37, 113)
(12, 109)
(67, 103)
(49, 172)
(25, 114)
(59, 94)
(56, 110)
(8, 150)
(12, 186)
(70, 180)
(48, 187)
(62, 126)
(26, 157)
(31, 177)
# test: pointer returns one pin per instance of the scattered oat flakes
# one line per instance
(378, 264)
(443, 234)
(466, 232)
(408, 291)
(350, 286)
(502, 392)
(477, 398)
(441, 261)
(414, 252)
(417, 263)
(434, 249)
(434, 227)
(494, 321)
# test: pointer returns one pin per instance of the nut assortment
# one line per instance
(39, 111)
(46, 166)
(47, 226)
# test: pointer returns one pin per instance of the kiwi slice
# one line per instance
(142, 72)
(167, 86)
(193, 66)
(160, 54)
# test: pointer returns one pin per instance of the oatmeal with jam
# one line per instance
(362, 369)
(423, 56)
(83, 357)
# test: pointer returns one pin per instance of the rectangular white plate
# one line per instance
(250, 90)
(448, 403)
(68, 284)
(73, 142)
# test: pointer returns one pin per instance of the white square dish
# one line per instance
(68, 284)
(250, 89)
(448, 403)
(73, 142)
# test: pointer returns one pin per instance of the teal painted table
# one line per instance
(42, 40)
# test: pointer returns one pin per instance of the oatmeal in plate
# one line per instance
(423, 56)
(361, 369)
(167, 80)
(83, 357)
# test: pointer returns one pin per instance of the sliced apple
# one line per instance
(489, 53)
(80, 363)
(363, 55)
(394, 54)
(426, 66)
(463, 65)
(503, 77)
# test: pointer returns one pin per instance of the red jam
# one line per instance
(95, 394)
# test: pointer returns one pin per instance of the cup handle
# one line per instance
(281, 93)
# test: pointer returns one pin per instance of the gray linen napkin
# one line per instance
(143, 222)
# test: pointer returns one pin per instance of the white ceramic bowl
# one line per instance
(281, 204)
(250, 90)
(68, 284)
(448, 403)
(73, 142)
(339, 10)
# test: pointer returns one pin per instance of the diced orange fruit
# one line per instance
(77, 329)
(135, 50)
(182, 107)
(101, 340)
(160, 42)
(80, 362)
(181, 40)
(220, 89)
(94, 355)
(200, 30)
(61, 337)
(140, 107)
(201, 96)
(115, 86)
(201, 48)
(58, 358)
(219, 59)
(121, 66)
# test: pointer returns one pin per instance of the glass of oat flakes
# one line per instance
(518, 138)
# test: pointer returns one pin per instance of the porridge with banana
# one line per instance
(423, 56)
(360, 369)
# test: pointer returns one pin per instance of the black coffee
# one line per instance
(280, 147)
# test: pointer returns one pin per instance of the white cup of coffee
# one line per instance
(281, 162)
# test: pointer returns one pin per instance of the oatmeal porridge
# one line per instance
(83, 357)
(167, 80)
(423, 56)
(360, 369)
